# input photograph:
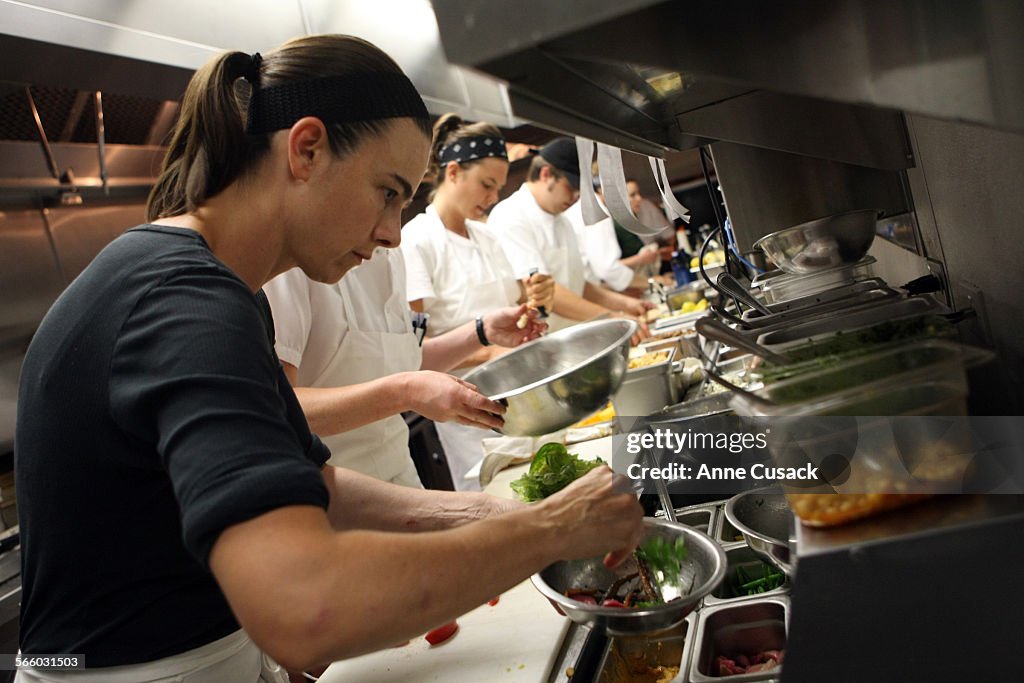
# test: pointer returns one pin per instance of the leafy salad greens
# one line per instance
(664, 557)
(551, 469)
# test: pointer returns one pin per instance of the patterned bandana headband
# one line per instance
(475, 147)
(335, 99)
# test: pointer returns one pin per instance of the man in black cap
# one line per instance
(537, 236)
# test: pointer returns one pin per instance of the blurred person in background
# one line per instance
(357, 358)
(603, 255)
(457, 270)
(536, 234)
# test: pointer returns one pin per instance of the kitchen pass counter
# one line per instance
(516, 640)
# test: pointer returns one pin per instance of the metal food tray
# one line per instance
(686, 344)
(854, 319)
(747, 626)
(863, 301)
(703, 517)
(740, 555)
(851, 297)
(851, 316)
(826, 296)
(746, 622)
(784, 287)
(687, 319)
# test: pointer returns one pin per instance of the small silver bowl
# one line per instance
(830, 242)
(764, 518)
(559, 379)
(703, 570)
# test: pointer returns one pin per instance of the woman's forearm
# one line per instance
(446, 351)
(333, 410)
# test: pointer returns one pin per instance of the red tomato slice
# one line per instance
(611, 603)
(442, 633)
(585, 598)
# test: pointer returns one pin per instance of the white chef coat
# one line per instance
(534, 238)
(351, 332)
(457, 278)
(601, 251)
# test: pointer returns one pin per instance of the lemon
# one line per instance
(689, 307)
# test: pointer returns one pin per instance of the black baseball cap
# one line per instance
(561, 153)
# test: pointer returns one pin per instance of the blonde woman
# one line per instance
(456, 268)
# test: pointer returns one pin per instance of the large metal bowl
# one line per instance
(558, 379)
(764, 518)
(830, 242)
(704, 569)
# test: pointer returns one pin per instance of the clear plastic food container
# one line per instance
(869, 423)
(871, 383)
(846, 345)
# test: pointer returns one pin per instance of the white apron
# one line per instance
(492, 289)
(568, 272)
(231, 659)
(463, 447)
(379, 449)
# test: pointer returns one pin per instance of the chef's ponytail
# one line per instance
(465, 143)
(445, 128)
(350, 84)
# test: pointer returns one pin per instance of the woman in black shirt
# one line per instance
(170, 491)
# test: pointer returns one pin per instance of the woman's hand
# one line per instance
(540, 291)
(598, 513)
(637, 307)
(502, 326)
(643, 330)
(443, 398)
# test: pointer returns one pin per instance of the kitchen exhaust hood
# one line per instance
(64, 58)
(656, 75)
(172, 39)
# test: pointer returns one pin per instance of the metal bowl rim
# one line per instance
(631, 330)
(730, 514)
(806, 224)
(598, 611)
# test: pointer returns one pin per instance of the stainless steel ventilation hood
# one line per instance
(172, 39)
(655, 75)
(140, 55)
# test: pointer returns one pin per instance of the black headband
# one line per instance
(335, 99)
(470, 148)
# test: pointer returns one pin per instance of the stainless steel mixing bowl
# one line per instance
(558, 379)
(830, 242)
(764, 518)
(703, 570)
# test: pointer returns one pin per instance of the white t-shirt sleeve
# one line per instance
(519, 239)
(288, 294)
(605, 255)
(420, 257)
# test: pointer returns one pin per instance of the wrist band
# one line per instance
(480, 331)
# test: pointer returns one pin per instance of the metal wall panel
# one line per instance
(968, 198)
(767, 190)
(29, 283)
(79, 233)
